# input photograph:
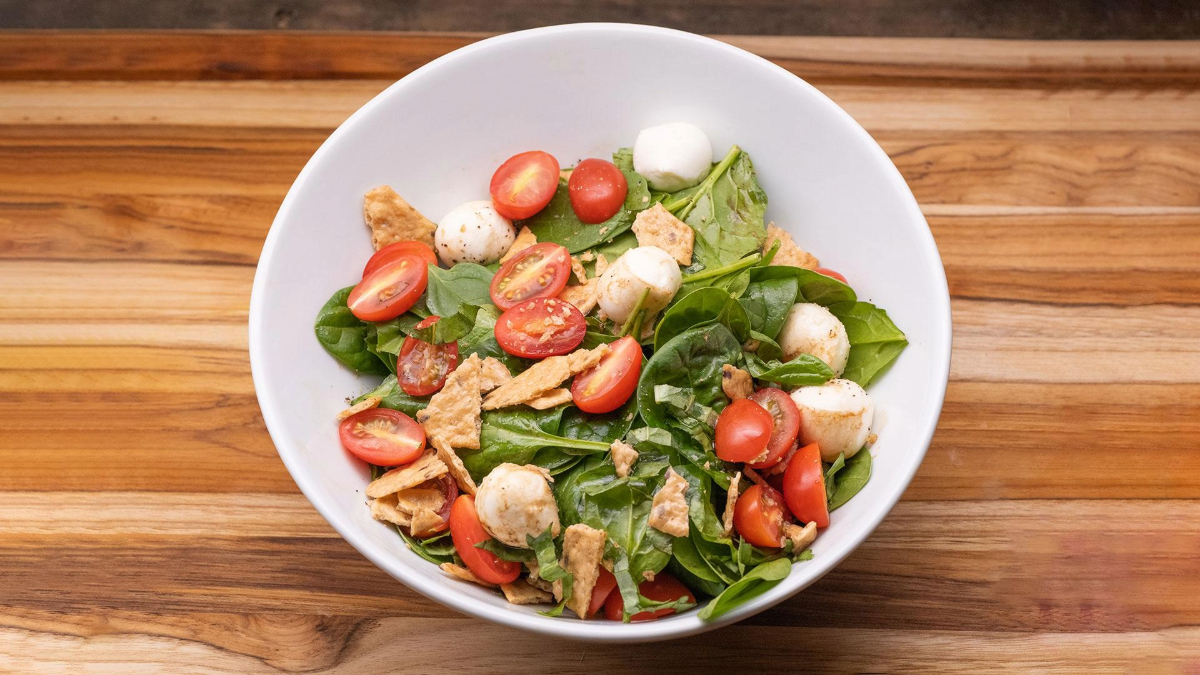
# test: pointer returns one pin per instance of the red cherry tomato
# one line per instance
(382, 437)
(758, 516)
(397, 250)
(604, 587)
(830, 273)
(540, 271)
(611, 382)
(466, 531)
(524, 184)
(390, 290)
(423, 366)
(597, 189)
(664, 588)
(804, 487)
(743, 431)
(540, 327)
(786, 424)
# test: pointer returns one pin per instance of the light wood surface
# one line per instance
(147, 525)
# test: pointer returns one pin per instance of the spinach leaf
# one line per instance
(345, 336)
(691, 360)
(677, 441)
(875, 341)
(768, 302)
(696, 572)
(831, 472)
(756, 582)
(517, 434)
(726, 211)
(593, 339)
(623, 158)
(851, 479)
(766, 348)
(698, 307)
(389, 360)
(395, 398)
(604, 428)
(507, 552)
(558, 223)
(464, 284)
(437, 549)
(801, 371)
(811, 286)
(391, 333)
(448, 328)
(549, 568)
(482, 340)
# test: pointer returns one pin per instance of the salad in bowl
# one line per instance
(610, 389)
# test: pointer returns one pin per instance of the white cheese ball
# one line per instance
(811, 329)
(638, 269)
(473, 232)
(836, 416)
(514, 502)
(672, 156)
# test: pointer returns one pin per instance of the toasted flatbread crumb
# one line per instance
(585, 296)
(425, 523)
(872, 438)
(492, 374)
(601, 264)
(543, 376)
(730, 502)
(392, 219)
(656, 226)
(414, 499)
(454, 465)
(789, 252)
(542, 470)
(365, 404)
(453, 413)
(525, 239)
(550, 399)
(648, 575)
(669, 510)
(801, 537)
(578, 269)
(426, 467)
(385, 509)
(623, 456)
(735, 382)
(464, 574)
(537, 581)
(522, 592)
(583, 549)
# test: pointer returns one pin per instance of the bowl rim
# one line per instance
(685, 624)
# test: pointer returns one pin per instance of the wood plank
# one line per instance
(265, 55)
(126, 642)
(1048, 565)
(325, 104)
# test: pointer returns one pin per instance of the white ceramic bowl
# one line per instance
(581, 91)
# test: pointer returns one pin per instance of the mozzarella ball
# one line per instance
(514, 502)
(638, 269)
(672, 156)
(836, 416)
(473, 232)
(811, 329)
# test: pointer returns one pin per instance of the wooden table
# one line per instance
(147, 525)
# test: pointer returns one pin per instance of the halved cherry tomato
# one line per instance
(758, 516)
(524, 184)
(390, 290)
(423, 366)
(540, 327)
(597, 189)
(466, 531)
(664, 588)
(540, 271)
(830, 273)
(786, 424)
(804, 487)
(382, 437)
(609, 385)
(743, 431)
(604, 587)
(397, 250)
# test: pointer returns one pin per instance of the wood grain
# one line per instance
(147, 525)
